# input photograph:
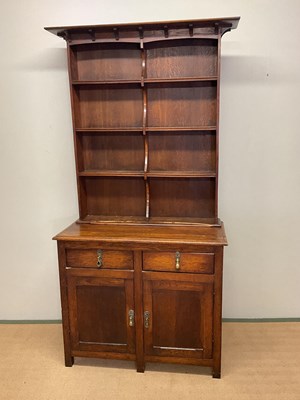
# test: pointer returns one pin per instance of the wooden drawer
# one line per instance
(178, 262)
(96, 258)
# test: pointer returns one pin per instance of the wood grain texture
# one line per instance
(180, 319)
(145, 108)
(139, 310)
(69, 359)
(182, 197)
(84, 32)
(176, 152)
(109, 107)
(155, 235)
(87, 258)
(104, 152)
(182, 105)
(188, 262)
(182, 58)
(115, 196)
(107, 62)
(99, 314)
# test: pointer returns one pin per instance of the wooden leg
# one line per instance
(216, 373)
(216, 369)
(140, 367)
(138, 293)
(69, 361)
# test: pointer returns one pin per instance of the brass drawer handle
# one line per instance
(177, 260)
(131, 317)
(99, 258)
(146, 319)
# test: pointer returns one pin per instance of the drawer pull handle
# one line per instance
(131, 317)
(177, 260)
(146, 319)
(99, 258)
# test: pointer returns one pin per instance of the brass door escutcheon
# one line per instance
(177, 260)
(131, 317)
(146, 319)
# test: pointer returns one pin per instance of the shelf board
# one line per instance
(112, 173)
(181, 174)
(108, 130)
(181, 79)
(140, 220)
(145, 80)
(148, 129)
(180, 128)
(150, 174)
(110, 82)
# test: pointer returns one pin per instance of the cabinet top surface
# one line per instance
(199, 235)
(224, 24)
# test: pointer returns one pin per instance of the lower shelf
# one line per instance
(99, 219)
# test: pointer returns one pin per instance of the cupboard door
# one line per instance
(178, 319)
(101, 314)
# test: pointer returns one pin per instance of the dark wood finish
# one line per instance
(115, 196)
(187, 262)
(179, 105)
(217, 331)
(69, 359)
(145, 109)
(99, 310)
(115, 152)
(145, 101)
(182, 197)
(180, 321)
(87, 258)
(190, 28)
(97, 300)
(101, 62)
(182, 58)
(178, 237)
(190, 152)
(109, 107)
(139, 310)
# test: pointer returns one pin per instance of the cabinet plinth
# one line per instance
(141, 269)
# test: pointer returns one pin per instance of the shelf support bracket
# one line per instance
(92, 33)
(65, 36)
(141, 32)
(191, 30)
(217, 28)
(116, 33)
(166, 30)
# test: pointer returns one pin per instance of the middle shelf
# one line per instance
(150, 174)
(158, 106)
(168, 154)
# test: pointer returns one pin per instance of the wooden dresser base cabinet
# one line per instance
(136, 293)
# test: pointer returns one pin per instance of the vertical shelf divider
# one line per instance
(218, 32)
(145, 134)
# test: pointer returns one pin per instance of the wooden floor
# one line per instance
(261, 361)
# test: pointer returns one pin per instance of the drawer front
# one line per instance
(179, 262)
(97, 258)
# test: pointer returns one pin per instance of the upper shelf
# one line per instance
(145, 81)
(146, 30)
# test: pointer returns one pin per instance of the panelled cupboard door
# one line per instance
(178, 319)
(101, 314)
